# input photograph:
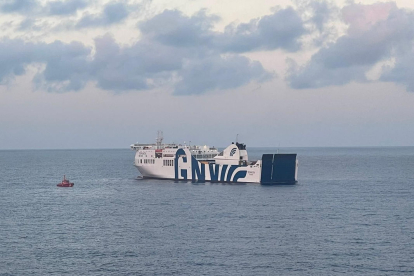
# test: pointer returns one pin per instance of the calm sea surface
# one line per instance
(351, 212)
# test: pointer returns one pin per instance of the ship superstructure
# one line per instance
(201, 153)
(204, 163)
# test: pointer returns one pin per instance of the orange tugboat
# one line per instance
(65, 183)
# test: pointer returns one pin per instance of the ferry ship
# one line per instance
(203, 163)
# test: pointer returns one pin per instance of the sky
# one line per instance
(301, 73)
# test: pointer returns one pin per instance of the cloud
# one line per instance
(67, 7)
(402, 72)
(181, 52)
(120, 69)
(280, 30)
(20, 6)
(176, 46)
(35, 8)
(173, 28)
(143, 65)
(65, 64)
(46, 14)
(375, 33)
(218, 72)
(316, 74)
(14, 55)
(322, 12)
(112, 13)
(27, 24)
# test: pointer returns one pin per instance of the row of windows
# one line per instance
(168, 162)
(147, 161)
(204, 156)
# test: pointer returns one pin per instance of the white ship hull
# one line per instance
(183, 168)
(231, 165)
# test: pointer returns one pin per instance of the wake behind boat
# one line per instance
(204, 163)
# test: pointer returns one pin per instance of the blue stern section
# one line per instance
(278, 169)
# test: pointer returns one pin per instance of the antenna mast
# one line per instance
(160, 137)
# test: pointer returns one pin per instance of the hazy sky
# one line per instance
(105, 74)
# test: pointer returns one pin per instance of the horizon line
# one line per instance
(111, 148)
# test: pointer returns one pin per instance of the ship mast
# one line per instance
(159, 139)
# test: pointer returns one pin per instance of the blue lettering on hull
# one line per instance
(223, 173)
(214, 172)
(195, 170)
(231, 171)
(198, 170)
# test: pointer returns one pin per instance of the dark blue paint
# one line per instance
(284, 168)
(238, 175)
(230, 172)
(278, 168)
(184, 174)
(177, 156)
(223, 172)
(267, 163)
(195, 170)
(214, 171)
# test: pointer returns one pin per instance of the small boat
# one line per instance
(65, 183)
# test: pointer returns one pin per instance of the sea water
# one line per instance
(351, 212)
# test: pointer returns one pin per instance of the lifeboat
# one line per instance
(65, 183)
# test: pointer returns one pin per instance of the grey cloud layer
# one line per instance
(140, 66)
(402, 73)
(34, 7)
(174, 49)
(66, 64)
(112, 12)
(376, 33)
(66, 7)
(282, 29)
(218, 72)
(20, 6)
(186, 52)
